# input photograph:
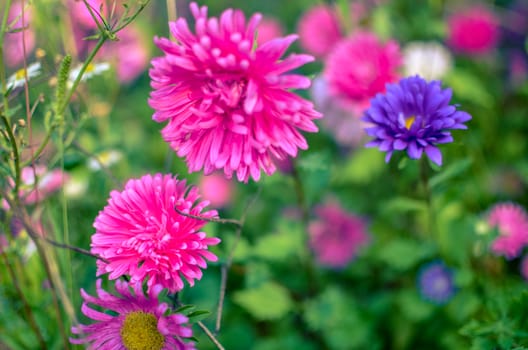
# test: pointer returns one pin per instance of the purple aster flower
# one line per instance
(414, 115)
(435, 282)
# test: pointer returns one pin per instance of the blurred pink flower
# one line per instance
(32, 192)
(473, 31)
(336, 236)
(512, 222)
(80, 15)
(49, 181)
(137, 321)
(130, 54)
(341, 119)
(140, 233)
(227, 102)
(217, 189)
(319, 30)
(268, 29)
(360, 66)
(14, 42)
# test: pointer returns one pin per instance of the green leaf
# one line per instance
(404, 204)
(413, 307)
(363, 167)
(450, 172)
(467, 86)
(403, 254)
(269, 301)
(198, 315)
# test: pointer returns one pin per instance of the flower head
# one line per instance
(430, 60)
(92, 69)
(104, 159)
(512, 222)
(413, 115)
(18, 79)
(227, 100)
(141, 234)
(336, 235)
(473, 31)
(319, 30)
(138, 321)
(435, 282)
(360, 66)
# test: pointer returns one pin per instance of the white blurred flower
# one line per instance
(430, 60)
(75, 187)
(18, 79)
(104, 159)
(91, 70)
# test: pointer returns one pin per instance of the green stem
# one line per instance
(16, 156)
(27, 308)
(424, 179)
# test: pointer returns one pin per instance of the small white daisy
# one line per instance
(105, 158)
(18, 79)
(430, 60)
(91, 70)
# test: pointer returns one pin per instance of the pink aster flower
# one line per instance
(319, 30)
(269, 29)
(16, 38)
(512, 222)
(217, 189)
(138, 321)
(336, 236)
(473, 31)
(360, 66)
(227, 100)
(141, 234)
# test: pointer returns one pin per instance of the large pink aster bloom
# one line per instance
(15, 40)
(227, 100)
(473, 31)
(360, 66)
(138, 321)
(512, 222)
(319, 30)
(141, 234)
(336, 235)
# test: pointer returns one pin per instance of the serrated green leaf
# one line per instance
(269, 301)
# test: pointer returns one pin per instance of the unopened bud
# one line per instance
(21, 123)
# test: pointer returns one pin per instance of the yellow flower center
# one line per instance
(89, 68)
(140, 332)
(20, 74)
(409, 121)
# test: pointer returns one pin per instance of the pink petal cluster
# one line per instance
(473, 31)
(14, 41)
(141, 234)
(336, 236)
(319, 30)
(105, 333)
(217, 189)
(227, 100)
(512, 222)
(360, 66)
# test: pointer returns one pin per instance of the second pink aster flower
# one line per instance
(141, 234)
(512, 222)
(227, 100)
(336, 236)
